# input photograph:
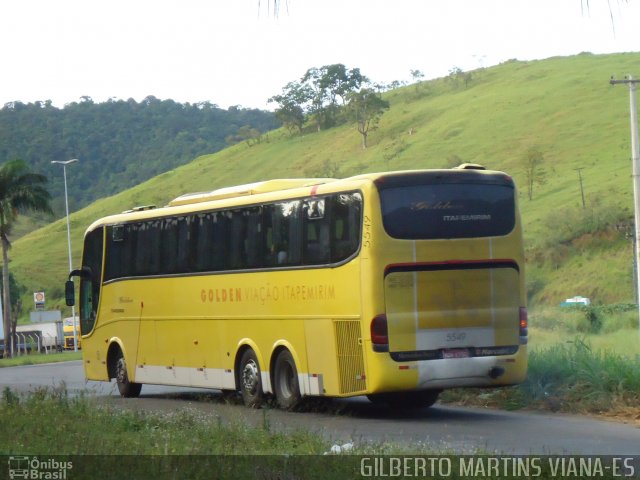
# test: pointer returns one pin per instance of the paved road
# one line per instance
(454, 429)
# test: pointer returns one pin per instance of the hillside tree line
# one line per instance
(120, 143)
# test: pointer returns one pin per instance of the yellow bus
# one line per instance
(394, 285)
(70, 334)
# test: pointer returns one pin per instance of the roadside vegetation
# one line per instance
(137, 432)
(39, 358)
(109, 442)
(581, 360)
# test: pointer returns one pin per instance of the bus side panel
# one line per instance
(321, 357)
(183, 348)
(213, 316)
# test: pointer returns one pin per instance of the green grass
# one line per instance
(613, 327)
(38, 358)
(141, 444)
(183, 432)
(625, 342)
(571, 377)
(577, 377)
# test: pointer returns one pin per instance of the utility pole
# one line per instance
(581, 189)
(635, 162)
(66, 206)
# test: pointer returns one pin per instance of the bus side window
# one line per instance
(220, 240)
(129, 245)
(254, 244)
(193, 226)
(317, 240)
(283, 234)
(292, 232)
(169, 241)
(272, 235)
(154, 246)
(237, 240)
(183, 245)
(345, 225)
(204, 243)
(142, 250)
(115, 242)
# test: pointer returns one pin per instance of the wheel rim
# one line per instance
(250, 377)
(121, 374)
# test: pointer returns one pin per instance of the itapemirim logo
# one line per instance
(34, 468)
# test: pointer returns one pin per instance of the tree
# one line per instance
(535, 173)
(292, 102)
(365, 108)
(16, 291)
(327, 84)
(340, 82)
(251, 136)
(318, 107)
(417, 76)
(20, 190)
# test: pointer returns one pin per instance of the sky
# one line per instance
(237, 52)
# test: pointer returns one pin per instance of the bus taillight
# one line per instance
(524, 325)
(380, 334)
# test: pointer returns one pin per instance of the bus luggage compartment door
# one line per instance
(447, 311)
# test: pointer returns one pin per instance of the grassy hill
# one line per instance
(565, 107)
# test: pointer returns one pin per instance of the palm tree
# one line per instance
(20, 190)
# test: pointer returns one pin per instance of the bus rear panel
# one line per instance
(454, 310)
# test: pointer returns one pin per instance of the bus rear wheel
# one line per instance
(250, 380)
(126, 388)
(286, 386)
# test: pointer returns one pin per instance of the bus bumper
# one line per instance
(490, 371)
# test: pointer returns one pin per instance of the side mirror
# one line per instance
(70, 293)
(69, 290)
(84, 272)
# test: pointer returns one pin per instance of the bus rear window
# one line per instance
(448, 210)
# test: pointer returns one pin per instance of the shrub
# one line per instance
(584, 380)
(593, 317)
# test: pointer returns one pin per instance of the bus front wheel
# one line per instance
(286, 385)
(250, 380)
(126, 388)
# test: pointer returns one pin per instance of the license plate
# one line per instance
(455, 353)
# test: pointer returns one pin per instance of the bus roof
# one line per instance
(248, 189)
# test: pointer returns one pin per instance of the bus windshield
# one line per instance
(448, 210)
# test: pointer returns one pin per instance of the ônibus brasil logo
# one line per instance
(38, 469)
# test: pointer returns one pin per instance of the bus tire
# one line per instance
(416, 399)
(250, 380)
(285, 381)
(126, 388)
